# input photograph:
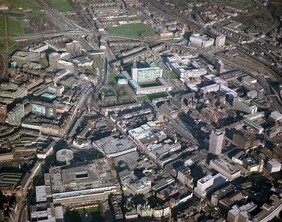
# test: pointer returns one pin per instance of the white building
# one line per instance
(149, 74)
(216, 142)
(202, 41)
(273, 166)
(209, 183)
(220, 41)
(62, 64)
(244, 105)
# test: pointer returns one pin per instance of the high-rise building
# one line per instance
(216, 142)
(220, 41)
(142, 72)
(219, 66)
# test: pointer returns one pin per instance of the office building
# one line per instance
(244, 105)
(219, 66)
(220, 41)
(44, 109)
(216, 142)
(209, 183)
(142, 72)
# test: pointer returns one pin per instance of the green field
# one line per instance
(132, 30)
(151, 96)
(61, 5)
(244, 27)
(20, 5)
(14, 26)
(173, 75)
(151, 84)
(80, 215)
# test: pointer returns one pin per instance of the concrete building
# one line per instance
(54, 57)
(219, 66)
(220, 41)
(14, 117)
(82, 185)
(42, 108)
(62, 64)
(225, 168)
(244, 105)
(216, 142)
(209, 183)
(83, 61)
(149, 90)
(46, 212)
(22, 57)
(273, 166)
(202, 41)
(141, 72)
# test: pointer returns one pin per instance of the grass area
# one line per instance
(36, 14)
(157, 95)
(20, 5)
(151, 96)
(61, 5)
(44, 63)
(132, 30)
(151, 84)
(243, 27)
(143, 98)
(239, 4)
(14, 26)
(173, 75)
(112, 79)
(99, 62)
(79, 215)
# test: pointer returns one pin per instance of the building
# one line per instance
(202, 41)
(220, 41)
(62, 64)
(275, 116)
(209, 183)
(244, 105)
(81, 185)
(150, 90)
(273, 166)
(3, 111)
(46, 212)
(219, 66)
(54, 57)
(216, 142)
(22, 57)
(112, 147)
(225, 168)
(73, 46)
(42, 108)
(142, 72)
(83, 61)
(14, 117)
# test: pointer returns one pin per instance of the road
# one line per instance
(60, 20)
